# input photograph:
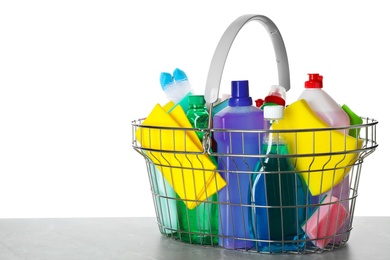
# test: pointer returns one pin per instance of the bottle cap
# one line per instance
(276, 95)
(275, 99)
(259, 102)
(240, 94)
(165, 79)
(179, 75)
(196, 100)
(278, 91)
(315, 81)
(273, 112)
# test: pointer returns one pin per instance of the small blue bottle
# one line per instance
(235, 167)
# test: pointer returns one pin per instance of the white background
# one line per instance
(74, 74)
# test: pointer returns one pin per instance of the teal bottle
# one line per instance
(164, 199)
(279, 195)
(198, 225)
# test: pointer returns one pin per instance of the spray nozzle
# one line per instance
(277, 96)
(274, 103)
(165, 79)
(179, 75)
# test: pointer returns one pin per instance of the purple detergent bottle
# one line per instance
(233, 146)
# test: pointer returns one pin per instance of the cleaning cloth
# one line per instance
(176, 150)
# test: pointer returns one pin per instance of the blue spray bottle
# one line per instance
(279, 195)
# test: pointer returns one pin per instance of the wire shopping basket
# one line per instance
(300, 201)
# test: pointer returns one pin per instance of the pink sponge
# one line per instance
(325, 221)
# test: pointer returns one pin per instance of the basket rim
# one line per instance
(369, 122)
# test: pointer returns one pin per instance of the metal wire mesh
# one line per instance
(266, 202)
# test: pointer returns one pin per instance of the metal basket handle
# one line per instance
(220, 55)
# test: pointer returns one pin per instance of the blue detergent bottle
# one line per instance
(279, 195)
(235, 167)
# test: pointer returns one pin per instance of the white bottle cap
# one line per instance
(273, 112)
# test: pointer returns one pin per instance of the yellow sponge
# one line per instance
(179, 155)
(320, 172)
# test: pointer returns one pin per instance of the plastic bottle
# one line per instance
(283, 189)
(197, 113)
(331, 113)
(165, 201)
(275, 187)
(240, 114)
(322, 103)
(198, 225)
(221, 103)
(177, 88)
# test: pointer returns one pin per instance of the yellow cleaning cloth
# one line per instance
(168, 106)
(179, 155)
(320, 173)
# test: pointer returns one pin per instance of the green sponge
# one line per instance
(354, 120)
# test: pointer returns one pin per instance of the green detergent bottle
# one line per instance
(198, 225)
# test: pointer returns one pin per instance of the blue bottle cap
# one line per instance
(179, 75)
(240, 94)
(165, 79)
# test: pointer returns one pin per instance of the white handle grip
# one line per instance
(220, 55)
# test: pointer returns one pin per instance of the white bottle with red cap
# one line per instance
(322, 103)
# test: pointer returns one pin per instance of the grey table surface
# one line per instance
(139, 238)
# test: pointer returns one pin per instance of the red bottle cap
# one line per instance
(275, 99)
(315, 81)
(259, 102)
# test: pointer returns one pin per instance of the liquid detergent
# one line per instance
(332, 114)
(236, 167)
(279, 194)
(177, 88)
(284, 189)
(198, 225)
